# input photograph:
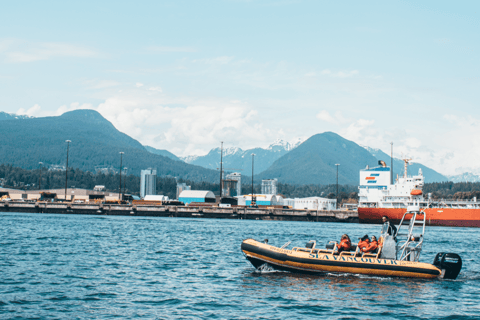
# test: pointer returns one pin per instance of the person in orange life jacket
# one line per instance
(372, 246)
(364, 242)
(344, 244)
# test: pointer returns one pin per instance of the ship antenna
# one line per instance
(391, 163)
(406, 164)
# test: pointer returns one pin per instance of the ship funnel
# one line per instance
(382, 163)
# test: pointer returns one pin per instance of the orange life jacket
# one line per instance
(344, 245)
(363, 244)
(372, 246)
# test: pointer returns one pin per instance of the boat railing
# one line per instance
(409, 243)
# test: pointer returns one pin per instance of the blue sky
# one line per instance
(185, 75)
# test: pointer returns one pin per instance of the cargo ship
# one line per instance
(378, 197)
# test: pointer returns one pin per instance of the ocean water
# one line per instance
(106, 267)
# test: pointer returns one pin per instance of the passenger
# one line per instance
(372, 246)
(392, 230)
(364, 242)
(345, 244)
(380, 242)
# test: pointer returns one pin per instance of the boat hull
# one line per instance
(450, 217)
(313, 262)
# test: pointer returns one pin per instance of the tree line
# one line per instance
(18, 178)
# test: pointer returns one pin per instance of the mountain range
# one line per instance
(96, 143)
(236, 159)
(308, 162)
(10, 116)
(464, 177)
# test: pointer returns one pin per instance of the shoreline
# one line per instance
(182, 211)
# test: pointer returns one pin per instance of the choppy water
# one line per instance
(77, 267)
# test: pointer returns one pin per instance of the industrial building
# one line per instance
(156, 198)
(182, 187)
(148, 182)
(264, 200)
(73, 194)
(189, 196)
(232, 185)
(311, 203)
(269, 186)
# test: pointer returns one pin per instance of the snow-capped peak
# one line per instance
(189, 159)
(231, 151)
(285, 145)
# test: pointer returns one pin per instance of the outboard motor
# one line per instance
(449, 263)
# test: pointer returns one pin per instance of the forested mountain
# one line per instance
(12, 177)
(313, 162)
(465, 177)
(95, 142)
(399, 168)
(241, 160)
(9, 116)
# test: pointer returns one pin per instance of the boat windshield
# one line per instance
(385, 227)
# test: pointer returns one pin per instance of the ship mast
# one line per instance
(406, 165)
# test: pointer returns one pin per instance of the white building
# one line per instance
(148, 182)
(269, 186)
(156, 198)
(182, 187)
(311, 203)
(263, 200)
(232, 185)
(189, 196)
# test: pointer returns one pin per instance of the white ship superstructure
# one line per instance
(376, 190)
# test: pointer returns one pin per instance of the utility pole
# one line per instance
(66, 168)
(337, 164)
(124, 182)
(391, 163)
(221, 171)
(120, 187)
(254, 200)
(40, 179)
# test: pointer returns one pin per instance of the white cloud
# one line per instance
(21, 51)
(325, 116)
(157, 89)
(32, 112)
(191, 127)
(337, 118)
(138, 84)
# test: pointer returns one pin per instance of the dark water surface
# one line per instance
(77, 267)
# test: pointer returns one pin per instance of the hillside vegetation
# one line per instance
(95, 143)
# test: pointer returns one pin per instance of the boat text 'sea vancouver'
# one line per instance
(397, 256)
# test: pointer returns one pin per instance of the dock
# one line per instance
(181, 211)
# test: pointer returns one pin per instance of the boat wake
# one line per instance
(266, 268)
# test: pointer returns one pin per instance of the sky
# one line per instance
(185, 75)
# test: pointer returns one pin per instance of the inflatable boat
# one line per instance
(397, 257)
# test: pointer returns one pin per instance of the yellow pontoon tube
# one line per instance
(398, 257)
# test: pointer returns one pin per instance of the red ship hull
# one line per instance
(435, 216)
